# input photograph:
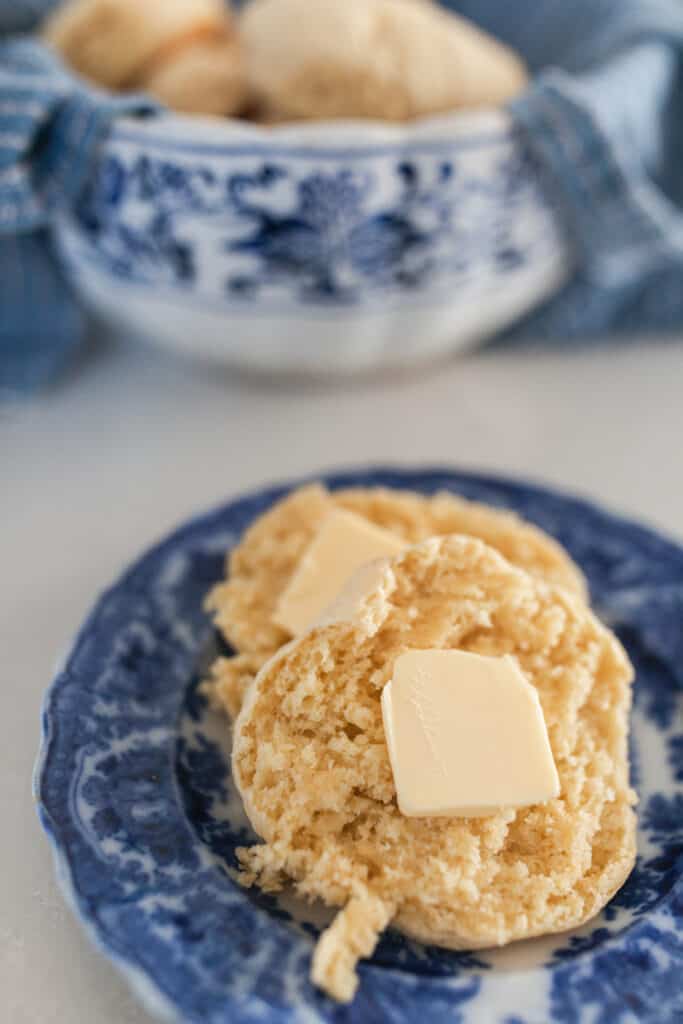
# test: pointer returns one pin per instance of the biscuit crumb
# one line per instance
(228, 681)
(352, 936)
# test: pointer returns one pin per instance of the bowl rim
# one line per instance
(184, 131)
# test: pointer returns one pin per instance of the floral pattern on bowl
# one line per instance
(316, 243)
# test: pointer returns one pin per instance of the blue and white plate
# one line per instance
(134, 791)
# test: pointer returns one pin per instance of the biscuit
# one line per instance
(203, 77)
(260, 567)
(311, 763)
(387, 59)
(111, 42)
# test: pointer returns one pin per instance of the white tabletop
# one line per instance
(135, 442)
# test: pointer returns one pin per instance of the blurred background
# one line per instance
(194, 305)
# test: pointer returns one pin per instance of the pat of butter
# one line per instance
(342, 545)
(466, 735)
(348, 602)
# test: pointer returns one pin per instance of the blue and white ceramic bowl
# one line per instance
(134, 791)
(314, 247)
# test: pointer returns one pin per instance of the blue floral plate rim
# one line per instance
(654, 913)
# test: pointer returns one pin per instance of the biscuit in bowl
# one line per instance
(205, 76)
(113, 42)
(392, 60)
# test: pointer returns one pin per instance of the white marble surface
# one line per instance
(134, 443)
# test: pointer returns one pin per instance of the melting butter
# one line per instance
(343, 544)
(466, 735)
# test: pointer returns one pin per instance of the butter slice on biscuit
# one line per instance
(312, 765)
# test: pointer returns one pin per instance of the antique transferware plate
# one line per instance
(134, 792)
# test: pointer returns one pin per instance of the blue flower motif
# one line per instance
(663, 817)
(639, 979)
(330, 202)
(205, 767)
(135, 803)
(579, 944)
(676, 757)
(323, 234)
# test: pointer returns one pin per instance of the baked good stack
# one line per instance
(444, 748)
(284, 60)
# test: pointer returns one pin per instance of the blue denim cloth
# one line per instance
(603, 116)
(50, 128)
